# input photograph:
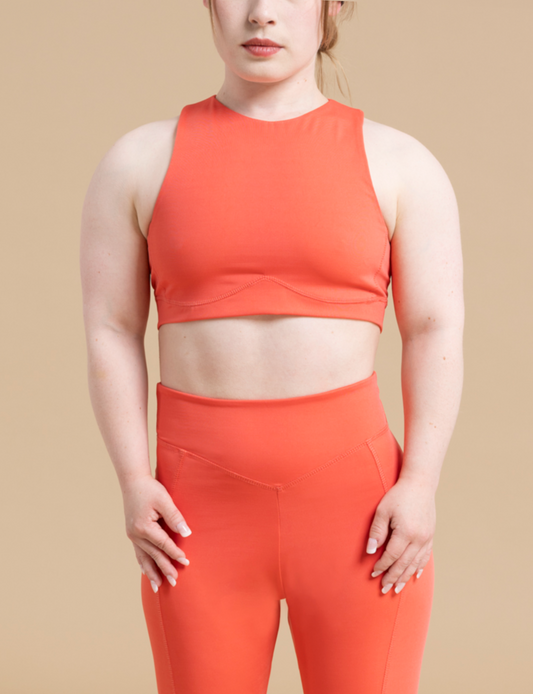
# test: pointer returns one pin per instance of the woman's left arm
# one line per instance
(427, 285)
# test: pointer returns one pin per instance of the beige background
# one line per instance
(80, 74)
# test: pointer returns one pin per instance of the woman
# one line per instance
(269, 221)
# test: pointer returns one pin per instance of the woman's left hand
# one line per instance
(409, 508)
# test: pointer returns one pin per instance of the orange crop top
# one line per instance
(268, 217)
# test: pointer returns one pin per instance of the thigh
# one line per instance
(215, 631)
(348, 636)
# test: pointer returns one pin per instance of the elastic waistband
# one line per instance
(334, 394)
(285, 435)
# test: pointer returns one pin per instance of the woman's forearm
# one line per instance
(432, 382)
(118, 387)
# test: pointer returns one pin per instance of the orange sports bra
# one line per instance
(268, 217)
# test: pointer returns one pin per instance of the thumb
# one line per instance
(378, 531)
(173, 518)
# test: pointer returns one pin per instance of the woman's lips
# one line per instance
(254, 49)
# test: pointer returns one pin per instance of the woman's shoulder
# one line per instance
(409, 157)
(141, 147)
(137, 163)
(413, 172)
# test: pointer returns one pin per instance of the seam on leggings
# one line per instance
(392, 641)
(378, 463)
(179, 465)
(279, 546)
(159, 611)
(334, 460)
(179, 469)
(275, 487)
(229, 472)
(257, 483)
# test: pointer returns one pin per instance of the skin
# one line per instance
(274, 356)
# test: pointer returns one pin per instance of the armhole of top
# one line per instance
(167, 175)
(366, 171)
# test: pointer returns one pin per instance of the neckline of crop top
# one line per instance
(218, 104)
(268, 217)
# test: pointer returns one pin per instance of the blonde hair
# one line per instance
(330, 37)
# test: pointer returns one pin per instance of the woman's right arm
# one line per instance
(115, 278)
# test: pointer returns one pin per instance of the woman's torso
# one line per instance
(264, 356)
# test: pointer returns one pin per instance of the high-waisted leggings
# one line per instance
(280, 495)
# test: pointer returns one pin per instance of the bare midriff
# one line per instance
(266, 356)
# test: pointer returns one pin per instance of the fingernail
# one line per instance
(376, 573)
(372, 546)
(183, 529)
(398, 588)
(386, 588)
(419, 573)
(154, 586)
(183, 560)
(171, 580)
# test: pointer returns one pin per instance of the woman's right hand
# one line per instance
(146, 500)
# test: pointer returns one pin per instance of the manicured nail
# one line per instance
(171, 580)
(398, 588)
(419, 573)
(154, 586)
(183, 560)
(376, 573)
(183, 529)
(372, 546)
(386, 588)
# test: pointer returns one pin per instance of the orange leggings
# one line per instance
(279, 495)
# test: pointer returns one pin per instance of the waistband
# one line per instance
(281, 434)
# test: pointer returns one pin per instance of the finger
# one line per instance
(161, 560)
(399, 567)
(410, 570)
(424, 560)
(394, 549)
(155, 534)
(172, 516)
(148, 568)
(378, 530)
